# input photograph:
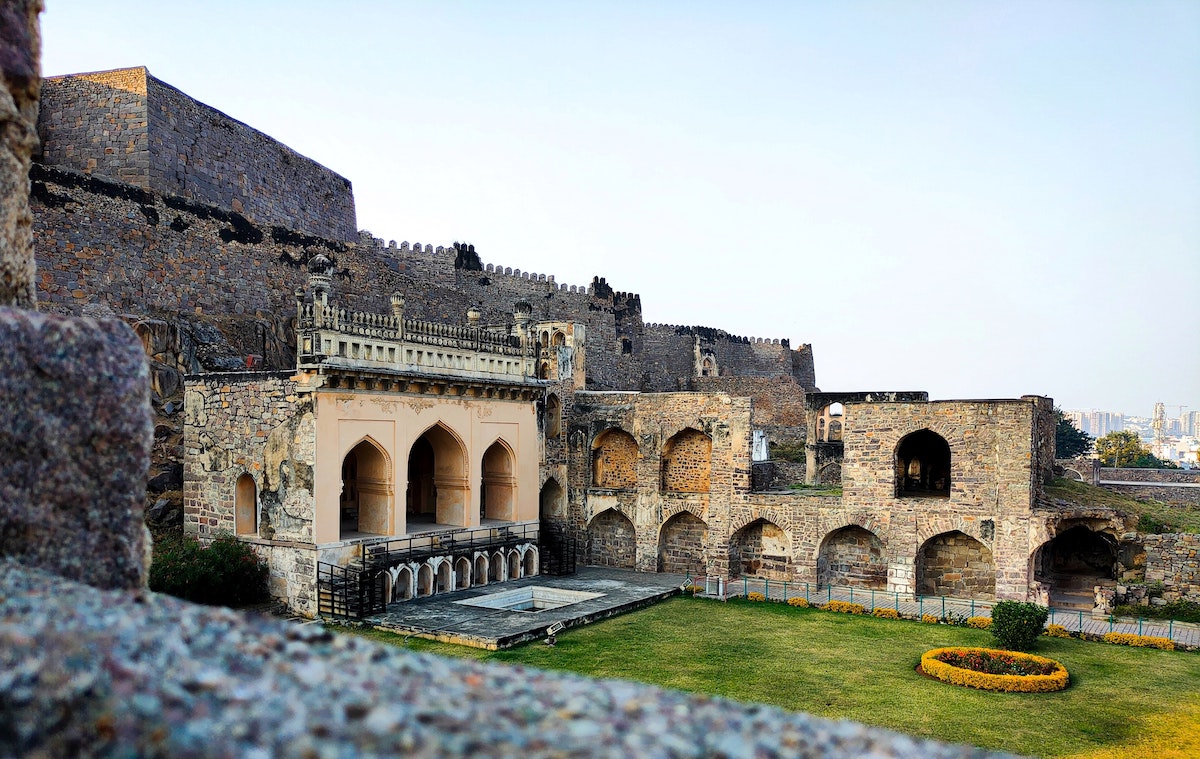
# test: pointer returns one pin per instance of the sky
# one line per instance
(977, 199)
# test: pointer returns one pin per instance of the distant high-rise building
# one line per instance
(1097, 423)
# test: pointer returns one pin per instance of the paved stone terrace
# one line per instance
(440, 617)
(1181, 632)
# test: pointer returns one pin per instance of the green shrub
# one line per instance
(224, 573)
(1016, 625)
(1149, 524)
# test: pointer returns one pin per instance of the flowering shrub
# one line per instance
(979, 623)
(1057, 631)
(844, 607)
(799, 603)
(930, 619)
(694, 589)
(755, 597)
(991, 669)
(226, 572)
(883, 613)
(1141, 641)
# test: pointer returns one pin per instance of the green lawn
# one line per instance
(1134, 702)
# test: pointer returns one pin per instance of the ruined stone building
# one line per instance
(408, 415)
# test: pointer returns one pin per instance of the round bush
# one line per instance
(1016, 625)
(992, 669)
(226, 572)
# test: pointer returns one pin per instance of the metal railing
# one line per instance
(417, 549)
(950, 608)
(348, 592)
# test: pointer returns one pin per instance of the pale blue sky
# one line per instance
(974, 199)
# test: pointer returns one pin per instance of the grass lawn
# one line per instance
(1122, 701)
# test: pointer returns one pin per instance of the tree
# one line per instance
(1069, 442)
(1125, 449)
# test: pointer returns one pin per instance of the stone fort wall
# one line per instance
(127, 125)
(139, 251)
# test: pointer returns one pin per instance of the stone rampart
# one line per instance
(1174, 560)
(1176, 487)
(127, 125)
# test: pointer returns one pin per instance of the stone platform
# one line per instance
(440, 617)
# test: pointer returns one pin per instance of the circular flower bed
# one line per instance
(992, 669)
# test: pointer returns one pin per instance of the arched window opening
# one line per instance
(681, 545)
(246, 505)
(923, 465)
(957, 565)
(551, 499)
(437, 479)
(852, 556)
(829, 423)
(614, 460)
(611, 539)
(366, 500)
(553, 417)
(687, 462)
(497, 491)
(559, 339)
(544, 370)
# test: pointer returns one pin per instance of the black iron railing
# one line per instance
(556, 551)
(348, 592)
(419, 548)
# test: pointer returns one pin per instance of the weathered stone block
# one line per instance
(74, 447)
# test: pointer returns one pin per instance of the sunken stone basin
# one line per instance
(534, 598)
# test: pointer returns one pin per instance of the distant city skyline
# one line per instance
(971, 199)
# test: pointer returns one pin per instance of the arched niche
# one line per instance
(687, 462)
(612, 541)
(852, 556)
(366, 499)
(551, 500)
(681, 545)
(553, 427)
(245, 505)
(923, 465)
(829, 423)
(614, 460)
(957, 565)
(763, 549)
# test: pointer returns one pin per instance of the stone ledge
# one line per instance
(100, 671)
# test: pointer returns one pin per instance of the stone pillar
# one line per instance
(20, 50)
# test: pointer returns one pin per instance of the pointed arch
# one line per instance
(553, 428)
(854, 556)
(681, 545)
(497, 568)
(424, 581)
(245, 506)
(957, 565)
(498, 487)
(1076, 560)
(551, 500)
(366, 497)
(437, 477)
(462, 573)
(445, 576)
(611, 540)
(514, 564)
(529, 562)
(402, 585)
(481, 569)
(614, 460)
(687, 462)
(761, 548)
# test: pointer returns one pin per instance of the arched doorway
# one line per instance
(611, 540)
(761, 549)
(1073, 563)
(437, 479)
(366, 500)
(957, 565)
(681, 545)
(246, 505)
(852, 556)
(923, 465)
(497, 491)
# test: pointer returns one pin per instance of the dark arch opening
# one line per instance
(1073, 563)
(366, 492)
(923, 465)
(437, 479)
